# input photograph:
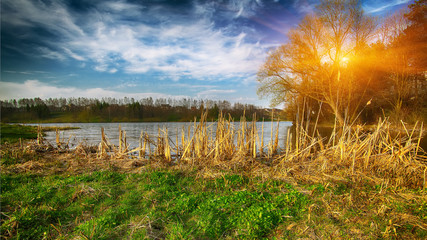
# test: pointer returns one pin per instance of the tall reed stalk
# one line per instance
(348, 151)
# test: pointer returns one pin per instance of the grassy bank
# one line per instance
(154, 204)
(175, 204)
(12, 133)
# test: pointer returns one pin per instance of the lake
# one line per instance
(90, 133)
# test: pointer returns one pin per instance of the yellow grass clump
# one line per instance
(379, 155)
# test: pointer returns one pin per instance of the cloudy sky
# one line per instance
(142, 48)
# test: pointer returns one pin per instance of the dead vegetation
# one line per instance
(379, 156)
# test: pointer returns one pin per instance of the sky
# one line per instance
(146, 48)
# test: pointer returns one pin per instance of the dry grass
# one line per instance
(352, 153)
(380, 156)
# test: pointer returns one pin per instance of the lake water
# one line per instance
(90, 133)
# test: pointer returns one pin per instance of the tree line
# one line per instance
(341, 64)
(122, 110)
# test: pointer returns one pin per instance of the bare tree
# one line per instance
(317, 60)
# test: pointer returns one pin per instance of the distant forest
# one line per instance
(122, 110)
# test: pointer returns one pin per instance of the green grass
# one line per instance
(12, 132)
(171, 204)
(163, 204)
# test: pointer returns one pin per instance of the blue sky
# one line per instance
(154, 48)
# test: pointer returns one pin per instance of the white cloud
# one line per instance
(244, 8)
(173, 45)
(191, 86)
(74, 55)
(250, 81)
(35, 88)
(215, 94)
(375, 7)
(26, 72)
(51, 54)
(122, 7)
(197, 50)
(126, 84)
(305, 6)
(53, 16)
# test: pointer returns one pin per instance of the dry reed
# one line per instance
(350, 152)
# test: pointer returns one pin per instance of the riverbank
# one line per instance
(12, 133)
